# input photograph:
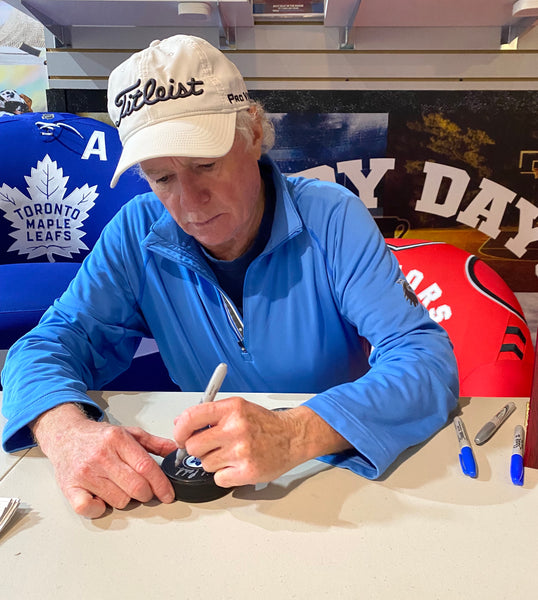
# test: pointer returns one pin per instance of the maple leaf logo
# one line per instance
(47, 222)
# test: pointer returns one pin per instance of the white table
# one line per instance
(424, 531)
(8, 461)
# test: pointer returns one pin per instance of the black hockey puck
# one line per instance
(191, 483)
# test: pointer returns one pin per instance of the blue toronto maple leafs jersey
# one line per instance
(55, 198)
(55, 195)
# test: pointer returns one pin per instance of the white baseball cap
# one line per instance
(179, 97)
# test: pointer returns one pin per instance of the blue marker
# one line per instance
(516, 463)
(467, 462)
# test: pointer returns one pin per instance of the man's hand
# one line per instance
(97, 463)
(248, 444)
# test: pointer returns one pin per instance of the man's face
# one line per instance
(218, 201)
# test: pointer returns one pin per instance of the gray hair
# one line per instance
(245, 123)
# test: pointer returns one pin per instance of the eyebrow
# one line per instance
(196, 161)
(153, 173)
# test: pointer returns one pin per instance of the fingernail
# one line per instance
(169, 498)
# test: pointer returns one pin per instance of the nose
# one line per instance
(192, 191)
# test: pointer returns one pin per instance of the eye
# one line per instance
(206, 166)
(163, 179)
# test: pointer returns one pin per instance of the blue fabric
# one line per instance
(325, 283)
(27, 290)
(55, 199)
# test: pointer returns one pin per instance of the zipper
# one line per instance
(234, 318)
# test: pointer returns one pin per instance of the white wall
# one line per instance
(307, 57)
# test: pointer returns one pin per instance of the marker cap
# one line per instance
(467, 462)
(485, 433)
(516, 469)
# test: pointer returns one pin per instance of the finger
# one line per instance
(85, 504)
(141, 477)
(109, 471)
(127, 470)
(204, 444)
(199, 417)
(91, 486)
(231, 477)
(109, 488)
(188, 423)
(152, 443)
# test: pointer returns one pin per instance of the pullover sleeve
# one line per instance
(412, 383)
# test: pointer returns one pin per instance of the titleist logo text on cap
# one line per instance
(136, 96)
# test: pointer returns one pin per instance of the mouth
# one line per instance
(205, 222)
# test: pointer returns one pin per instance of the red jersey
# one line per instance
(480, 313)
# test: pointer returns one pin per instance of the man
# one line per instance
(286, 280)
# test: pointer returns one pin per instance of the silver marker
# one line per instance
(494, 423)
(209, 395)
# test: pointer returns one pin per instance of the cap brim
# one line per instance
(202, 136)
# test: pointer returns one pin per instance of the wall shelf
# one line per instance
(60, 16)
(349, 16)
